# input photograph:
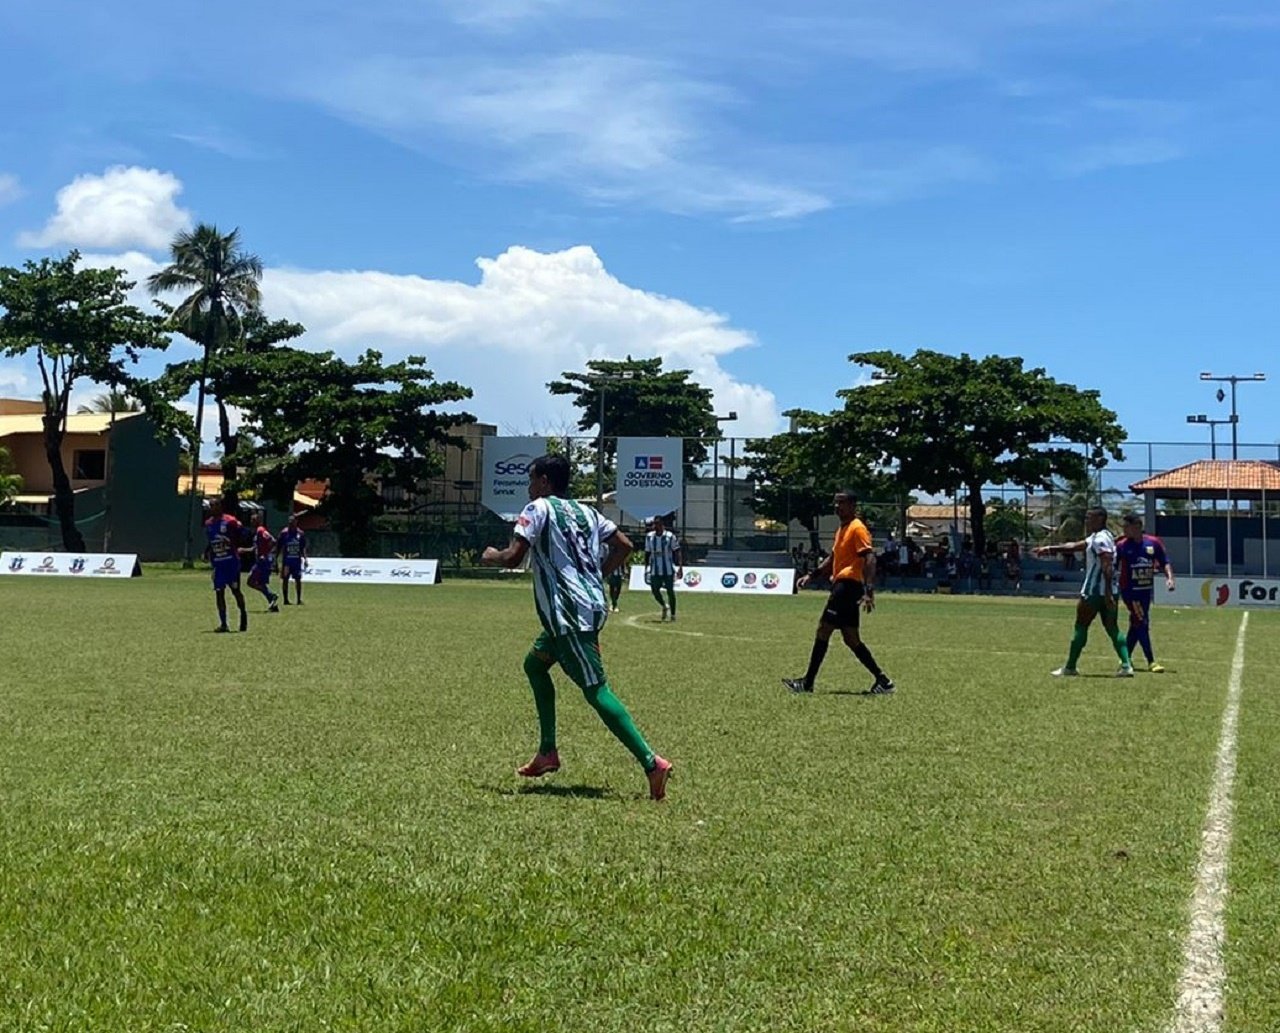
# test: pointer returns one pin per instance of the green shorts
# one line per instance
(577, 653)
(1099, 604)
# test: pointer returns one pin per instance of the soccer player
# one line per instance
(1097, 594)
(616, 577)
(291, 546)
(662, 561)
(852, 570)
(565, 538)
(1139, 556)
(263, 547)
(224, 533)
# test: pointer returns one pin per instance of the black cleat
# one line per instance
(221, 629)
(796, 685)
(882, 687)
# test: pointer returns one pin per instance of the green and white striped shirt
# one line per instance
(1095, 545)
(565, 538)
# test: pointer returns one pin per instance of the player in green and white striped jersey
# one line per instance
(565, 538)
(1097, 594)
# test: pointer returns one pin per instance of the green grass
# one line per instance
(316, 826)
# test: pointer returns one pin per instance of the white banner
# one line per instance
(738, 580)
(348, 571)
(504, 485)
(69, 564)
(650, 476)
(1222, 591)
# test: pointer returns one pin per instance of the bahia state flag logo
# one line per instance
(649, 472)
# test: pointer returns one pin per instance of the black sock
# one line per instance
(815, 661)
(868, 661)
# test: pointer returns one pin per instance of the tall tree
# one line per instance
(220, 280)
(795, 478)
(360, 426)
(641, 399)
(10, 479)
(78, 325)
(954, 422)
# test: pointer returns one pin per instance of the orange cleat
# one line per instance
(658, 778)
(542, 764)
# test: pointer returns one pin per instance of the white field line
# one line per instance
(1202, 985)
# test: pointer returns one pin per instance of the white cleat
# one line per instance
(1126, 671)
(1065, 672)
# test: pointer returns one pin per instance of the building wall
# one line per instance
(29, 459)
(146, 514)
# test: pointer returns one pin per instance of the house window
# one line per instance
(89, 465)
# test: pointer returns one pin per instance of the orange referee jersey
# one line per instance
(852, 540)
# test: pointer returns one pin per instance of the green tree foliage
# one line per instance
(642, 400)
(358, 425)
(796, 478)
(954, 422)
(10, 480)
(78, 326)
(220, 280)
(1006, 520)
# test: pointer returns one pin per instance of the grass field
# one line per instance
(316, 826)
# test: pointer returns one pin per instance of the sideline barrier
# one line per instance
(737, 580)
(1241, 592)
(339, 570)
(71, 564)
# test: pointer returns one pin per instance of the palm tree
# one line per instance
(222, 280)
(111, 401)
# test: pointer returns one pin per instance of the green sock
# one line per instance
(1078, 638)
(618, 721)
(544, 698)
(1122, 645)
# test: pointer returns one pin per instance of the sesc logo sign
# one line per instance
(516, 466)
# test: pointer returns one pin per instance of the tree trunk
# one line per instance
(977, 515)
(229, 470)
(64, 500)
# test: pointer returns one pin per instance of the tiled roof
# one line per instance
(1216, 475)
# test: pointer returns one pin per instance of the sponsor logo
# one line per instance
(729, 579)
(692, 578)
(1217, 594)
(352, 571)
(771, 581)
(402, 572)
(16, 563)
(749, 579)
(513, 466)
(77, 565)
(47, 566)
(649, 472)
(1252, 592)
(648, 463)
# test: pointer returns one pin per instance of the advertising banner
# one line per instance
(650, 476)
(70, 564)
(347, 571)
(1244, 592)
(737, 580)
(505, 473)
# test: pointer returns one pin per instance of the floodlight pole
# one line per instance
(715, 477)
(1233, 380)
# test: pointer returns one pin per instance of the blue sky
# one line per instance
(512, 187)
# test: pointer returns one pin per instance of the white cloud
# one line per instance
(10, 188)
(16, 382)
(1119, 154)
(530, 317)
(612, 127)
(126, 206)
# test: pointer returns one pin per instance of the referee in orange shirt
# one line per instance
(852, 569)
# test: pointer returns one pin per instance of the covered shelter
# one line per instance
(1216, 516)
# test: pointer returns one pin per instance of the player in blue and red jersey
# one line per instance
(263, 548)
(291, 546)
(224, 534)
(1139, 557)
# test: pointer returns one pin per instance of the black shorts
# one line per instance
(842, 610)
